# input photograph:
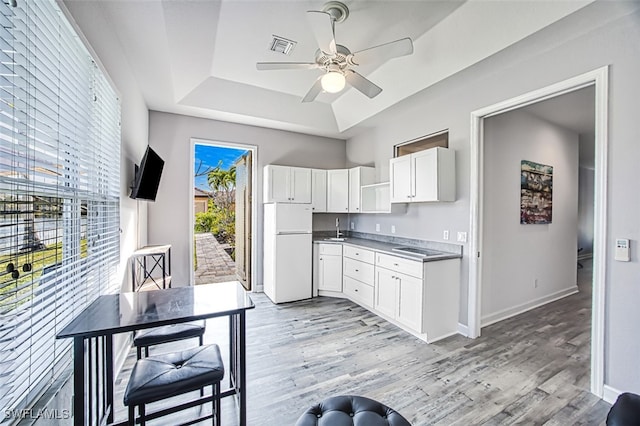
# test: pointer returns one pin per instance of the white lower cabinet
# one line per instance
(421, 297)
(327, 268)
(358, 272)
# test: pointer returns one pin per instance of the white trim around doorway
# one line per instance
(254, 208)
(598, 78)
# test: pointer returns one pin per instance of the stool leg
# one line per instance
(142, 414)
(132, 414)
(146, 351)
(201, 389)
(139, 352)
(216, 403)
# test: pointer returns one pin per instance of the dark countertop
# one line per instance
(387, 248)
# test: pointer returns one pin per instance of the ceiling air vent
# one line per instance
(282, 45)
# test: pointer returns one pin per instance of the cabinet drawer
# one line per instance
(358, 270)
(330, 249)
(395, 263)
(358, 291)
(359, 254)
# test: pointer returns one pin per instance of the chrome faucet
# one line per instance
(338, 233)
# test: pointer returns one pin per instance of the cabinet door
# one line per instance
(354, 190)
(338, 191)
(400, 176)
(300, 188)
(386, 292)
(330, 273)
(318, 191)
(277, 183)
(410, 302)
(425, 175)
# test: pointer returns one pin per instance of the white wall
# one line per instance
(604, 33)
(170, 136)
(525, 265)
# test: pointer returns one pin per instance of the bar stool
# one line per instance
(163, 376)
(166, 334)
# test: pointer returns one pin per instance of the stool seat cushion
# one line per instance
(169, 333)
(349, 410)
(163, 376)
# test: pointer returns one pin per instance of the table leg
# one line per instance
(109, 373)
(243, 376)
(78, 381)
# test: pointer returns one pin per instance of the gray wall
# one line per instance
(526, 265)
(601, 34)
(170, 135)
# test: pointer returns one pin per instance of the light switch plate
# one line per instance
(462, 237)
(445, 235)
(393, 229)
(377, 227)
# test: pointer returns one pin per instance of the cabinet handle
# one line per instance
(357, 254)
(393, 277)
(356, 290)
(395, 264)
(357, 270)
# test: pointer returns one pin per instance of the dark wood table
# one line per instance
(93, 330)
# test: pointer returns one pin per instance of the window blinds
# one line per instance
(59, 192)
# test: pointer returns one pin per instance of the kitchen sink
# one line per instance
(418, 251)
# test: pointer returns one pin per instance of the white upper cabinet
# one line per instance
(318, 191)
(423, 176)
(338, 191)
(284, 184)
(359, 176)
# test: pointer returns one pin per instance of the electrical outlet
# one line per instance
(393, 229)
(353, 225)
(377, 227)
(462, 237)
(445, 235)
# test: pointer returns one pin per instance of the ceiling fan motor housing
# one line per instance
(341, 59)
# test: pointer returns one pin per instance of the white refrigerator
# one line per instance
(287, 252)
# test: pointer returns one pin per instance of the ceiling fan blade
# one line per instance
(362, 84)
(265, 66)
(322, 25)
(314, 91)
(383, 52)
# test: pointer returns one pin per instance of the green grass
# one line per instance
(28, 281)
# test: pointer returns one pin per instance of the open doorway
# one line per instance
(598, 79)
(222, 212)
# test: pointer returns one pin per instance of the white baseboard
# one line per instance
(463, 329)
(527, 306)
(610, 394)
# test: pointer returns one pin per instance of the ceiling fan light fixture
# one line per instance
(333, 82)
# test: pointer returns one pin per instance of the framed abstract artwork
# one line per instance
(536, 193)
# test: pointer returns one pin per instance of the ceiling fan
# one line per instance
(337, 60)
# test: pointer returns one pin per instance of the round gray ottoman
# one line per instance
(349, 410)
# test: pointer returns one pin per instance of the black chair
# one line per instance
(164, 376)
(625, 411)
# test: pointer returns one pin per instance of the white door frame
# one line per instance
(600, 79)
(254, 211)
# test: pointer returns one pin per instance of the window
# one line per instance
(422, 143)
(59, 192)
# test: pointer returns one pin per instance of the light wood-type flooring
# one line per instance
(532, 369)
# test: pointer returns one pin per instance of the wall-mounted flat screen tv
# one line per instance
(147, 176)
